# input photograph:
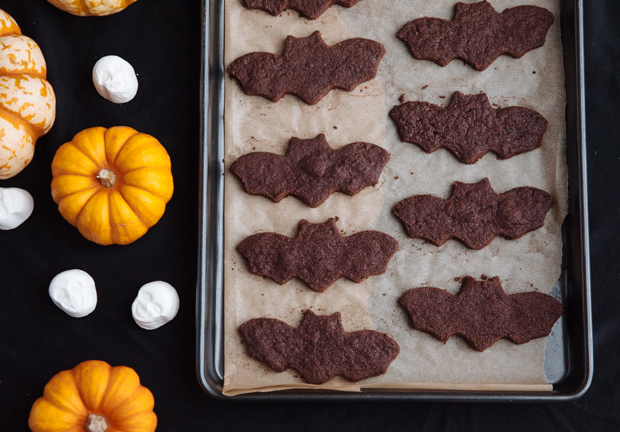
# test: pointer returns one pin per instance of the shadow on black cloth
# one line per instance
(161, 39)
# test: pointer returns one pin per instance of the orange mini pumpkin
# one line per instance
(27, 100)
(94, 397)
(112, 184)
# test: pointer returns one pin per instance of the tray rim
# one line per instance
(209, 305)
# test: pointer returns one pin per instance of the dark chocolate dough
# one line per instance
(481, 313)
(309, 68)
(320, 349)
(474, 214)
(319, 255)
(311, 9)
(311, 170)
(470, 127)
(477, 34)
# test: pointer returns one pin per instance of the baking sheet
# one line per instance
(255, 124)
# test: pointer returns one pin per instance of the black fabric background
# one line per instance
(161, 39)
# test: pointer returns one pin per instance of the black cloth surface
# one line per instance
(161, 39)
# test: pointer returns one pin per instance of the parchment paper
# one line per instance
(530, 263)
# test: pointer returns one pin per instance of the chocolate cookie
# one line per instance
(320, 349)
(311, 170)
(477, 34)
(474, 214)
(311, 9)
(481, 313)
(470, 127)
(309, 68)
(319, 255)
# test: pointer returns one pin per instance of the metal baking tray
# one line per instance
(568, 360)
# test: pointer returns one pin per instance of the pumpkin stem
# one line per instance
(96, 423)
(107, 178)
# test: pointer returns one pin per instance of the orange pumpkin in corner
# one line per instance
(94, 397)
(112, 184)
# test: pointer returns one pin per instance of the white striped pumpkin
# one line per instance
(92, 7)
(27, 100)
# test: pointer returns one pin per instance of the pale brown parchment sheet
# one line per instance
(253, 123)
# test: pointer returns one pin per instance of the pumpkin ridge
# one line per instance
(114, 240)
(138, 414)
(85, 155)
(14, 80)
(32, 74)
(147, 143)
(121, 148)
(147, 169)
(25, 56)
(89, 410)
(119, 402)
(97, 365)
(8, 25)
(120, 191)
(79, 388)
(16, 118)
(59, 170)
(61, 408)
(107, 387)
(79, 191)
(79, 215)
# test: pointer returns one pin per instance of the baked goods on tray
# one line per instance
(470, 127)
(320, 349)
(475, 214)
(319, 255)
(517, 90)
(477, 34)
(311, 9)
(311, 170)
(308, 68)
(481, 313)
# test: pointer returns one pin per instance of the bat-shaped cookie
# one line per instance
(319, 255)
(481, 313)
(470, 127)
(311, 9)
(320, 349)
(309, 68)
(311, 170)
(477, 34)
(474, 214)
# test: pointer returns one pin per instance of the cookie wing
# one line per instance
(534, 316)
(270, 341)
(269, 255)
(265, 174)
(368, 253)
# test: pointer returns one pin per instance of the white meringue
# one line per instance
(115, 79)
(156, 304)
(16, 206)
(74, 292)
